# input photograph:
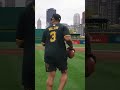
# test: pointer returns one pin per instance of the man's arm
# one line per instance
(68, 40)
(43, 38)
(67, 37)
(88, 50)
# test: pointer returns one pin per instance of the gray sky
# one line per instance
(66, 8)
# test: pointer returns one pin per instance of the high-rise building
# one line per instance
(49, 14)
(13, 3)
(0, 4)
(27, 2)
(81, 30)
(76, 22)
(109, 9)
(39, 24)
(83, 18)
(20, 3)
(92, 6)
(76, 19)
(9, 3)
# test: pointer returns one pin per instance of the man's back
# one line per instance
(54, 43)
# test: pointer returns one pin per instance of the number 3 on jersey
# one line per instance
(53, 36)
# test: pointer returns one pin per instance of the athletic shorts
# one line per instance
(56, 63)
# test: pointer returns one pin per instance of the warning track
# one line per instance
(11, 51)
(77, 49)
(107, 54)
(100, 54)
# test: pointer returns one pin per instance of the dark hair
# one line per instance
(56, 17)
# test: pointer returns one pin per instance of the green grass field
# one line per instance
(105, 77)
(8, 45)
(75, 45)
(76, 77)
(10, 69)
(10, 72)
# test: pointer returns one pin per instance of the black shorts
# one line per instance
(56, 63)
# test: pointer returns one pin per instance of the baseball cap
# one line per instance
(56, 17)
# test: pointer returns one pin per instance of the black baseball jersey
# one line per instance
(53, 37)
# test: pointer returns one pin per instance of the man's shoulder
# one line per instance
(62, 26)
(47, 29)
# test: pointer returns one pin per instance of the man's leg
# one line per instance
(62, 66)
(63, 80)
(51, 69)
(50, 80)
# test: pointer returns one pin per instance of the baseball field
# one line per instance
(10, 66)
(107, 71)
(76, 70)
(105, 77)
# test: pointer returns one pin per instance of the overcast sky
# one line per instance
(66, 8)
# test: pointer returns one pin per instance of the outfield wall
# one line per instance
(39, 33)
(9, 19)
(7, 35)
(102, 37)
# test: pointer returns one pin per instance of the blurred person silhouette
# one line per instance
(90, 58)
(25, 37)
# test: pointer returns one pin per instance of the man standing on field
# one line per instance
(55, 56)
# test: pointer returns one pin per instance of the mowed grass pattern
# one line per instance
(11, 72)
(105, 77)
(75, 45)
(76, 72)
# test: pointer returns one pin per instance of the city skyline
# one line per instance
(0, 3)
(76, 19)
(108, 9)
(14, 3)
(65, 8)
(39, 24)
(49, 14)
(81, 18)
(9, 3)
